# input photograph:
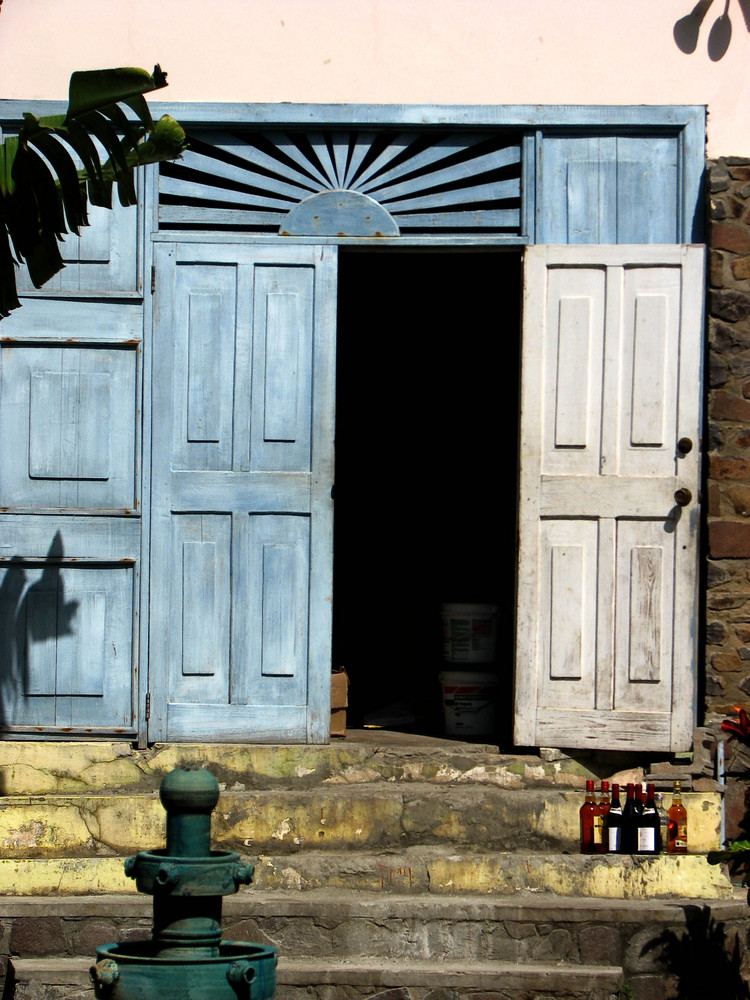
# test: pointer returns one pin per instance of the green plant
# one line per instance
(737, 853)
(44, 191)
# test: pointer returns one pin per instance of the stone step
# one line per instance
(363, 816)
(338, 944)
(345, 926)
(439, 871)
(400, 980)
(364, 756)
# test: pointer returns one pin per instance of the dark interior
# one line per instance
(426, 472)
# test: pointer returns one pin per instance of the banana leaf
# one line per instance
(57, 164)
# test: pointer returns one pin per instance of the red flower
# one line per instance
(739, 726)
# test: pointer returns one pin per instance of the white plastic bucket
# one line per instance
(468, 702)
(469, 632)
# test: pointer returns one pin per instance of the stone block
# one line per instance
(714, 500)
(715, 632)
(600, 945)
(726, 602)
(87, 935)
(648, 987)
(724, 406)
(729, 540)
(739, 366)
(725, 662)
(725, 236)
(644, 951)
(715, 687)
(741, 268)
(729, 304)
(37, 936)
(728, 338)
(718, 371)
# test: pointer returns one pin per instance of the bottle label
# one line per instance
(614, 839)
(597, 829)
(681, 838)
(646, 838)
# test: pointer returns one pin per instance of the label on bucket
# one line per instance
(469, 705)
(469, 636)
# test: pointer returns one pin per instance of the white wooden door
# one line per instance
(242, 471)
(607, 571)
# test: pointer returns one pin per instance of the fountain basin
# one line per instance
(134, 970)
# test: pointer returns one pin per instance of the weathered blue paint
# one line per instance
(234, 553)
(339, 213)
(608, 189)
(241, 478)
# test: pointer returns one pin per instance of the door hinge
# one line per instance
(153, 278)
(148, 707)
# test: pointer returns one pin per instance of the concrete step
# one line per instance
(336, 980)
(437, 870)
(364, 816)
(364, 756)
(338, 944)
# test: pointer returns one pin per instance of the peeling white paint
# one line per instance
(283, 830)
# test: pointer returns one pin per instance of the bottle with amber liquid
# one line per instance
(677, 825)
(591, 823)
(613, 823)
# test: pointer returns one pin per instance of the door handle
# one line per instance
(685, 445)
(683, 496)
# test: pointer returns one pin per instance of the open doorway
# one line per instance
(426, 470)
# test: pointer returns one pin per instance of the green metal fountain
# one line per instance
(186, 958)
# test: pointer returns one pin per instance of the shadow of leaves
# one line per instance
(707, 958)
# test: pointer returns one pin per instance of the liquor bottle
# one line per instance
(629, 839)
(663, 823)
(605, 803)
(639, 798)
(591, 823)
(613, 823)
(648, 825)
(677, 822)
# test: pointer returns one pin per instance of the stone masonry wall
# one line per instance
(727, 439)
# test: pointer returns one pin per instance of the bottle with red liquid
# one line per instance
(677, 823)
(629, 836)
(604, 803)
(640, 798)
(592, 841)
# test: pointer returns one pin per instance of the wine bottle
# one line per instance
(629, 841)
(639, 800)
(677, 822)
(613, 823)
(648, 825)
(591, 823)
(605, 803)
(663, 823)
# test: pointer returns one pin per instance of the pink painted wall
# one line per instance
(391, 51)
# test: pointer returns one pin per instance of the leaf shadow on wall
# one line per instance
(32, 615)
(687, 30)
(708, 959)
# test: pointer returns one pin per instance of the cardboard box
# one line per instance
(339, 701)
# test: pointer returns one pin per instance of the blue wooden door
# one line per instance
(70, 504)
(242, 470)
